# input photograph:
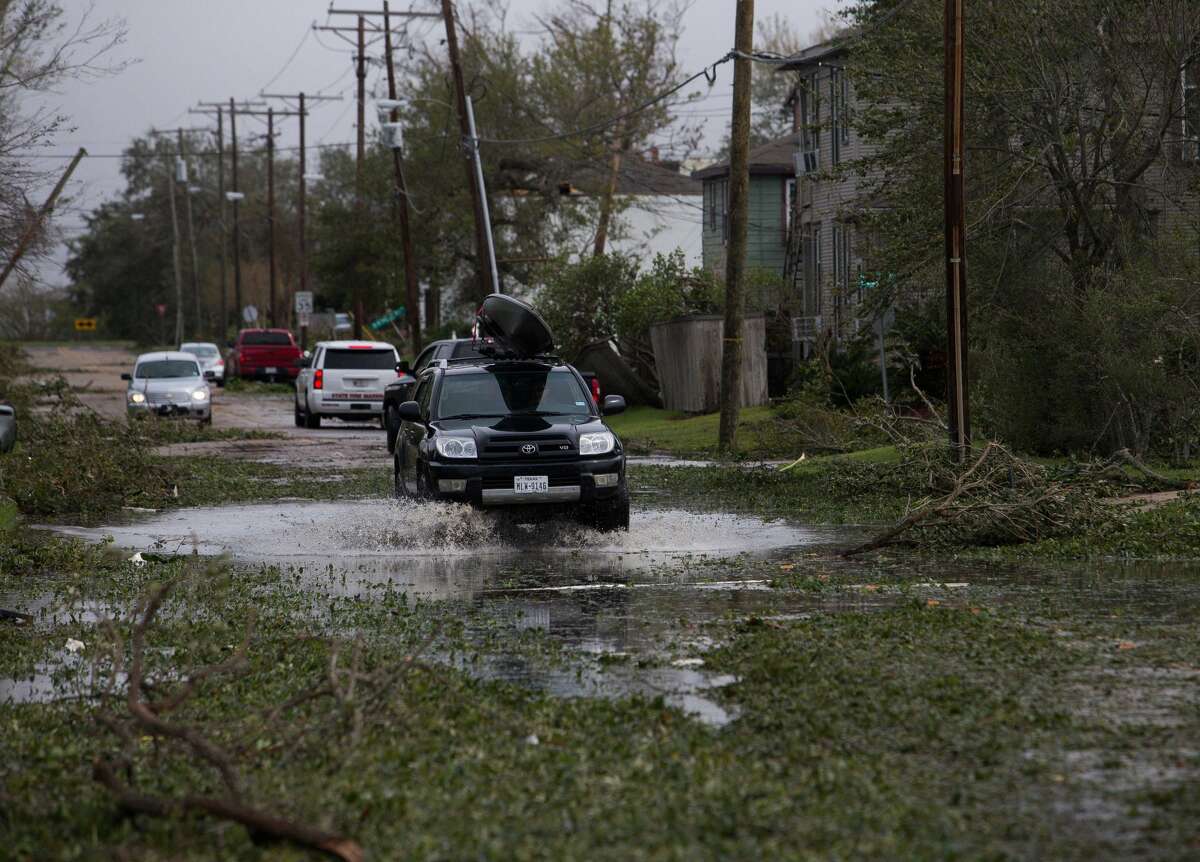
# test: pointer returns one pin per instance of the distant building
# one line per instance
(658, 209)
(772, 182)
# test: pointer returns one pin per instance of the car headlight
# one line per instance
(456, 447)
(136, 398)
(199, 394)
(596, 444)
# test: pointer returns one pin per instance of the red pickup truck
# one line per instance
(264, 354)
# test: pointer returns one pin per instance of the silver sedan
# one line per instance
(168, 383)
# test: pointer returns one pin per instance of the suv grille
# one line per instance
(510, 448)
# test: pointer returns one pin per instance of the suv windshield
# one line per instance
(161, 368)
(275, 338)
(502, 393)
(370, 360)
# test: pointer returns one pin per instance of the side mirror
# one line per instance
(613, 404)
(402, 367)
(126, 376)
(410, 411)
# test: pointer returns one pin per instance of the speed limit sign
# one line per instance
(304, 302)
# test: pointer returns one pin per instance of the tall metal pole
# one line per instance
(271, 212)
(300, 215)
(739, 207)
(223, 325)
(412, 288)
(187, 206)
(473, 143)
(361, 143)
(956, 234)
(460, 90)
(175, 252)
(237, 243)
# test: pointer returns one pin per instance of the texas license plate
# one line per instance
(531, 484)
(271, 370)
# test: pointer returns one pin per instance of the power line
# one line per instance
(709, 72)
(289, 60)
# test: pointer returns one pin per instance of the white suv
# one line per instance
(344, 379)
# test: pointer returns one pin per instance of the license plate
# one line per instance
(271, 370)
(531, 484)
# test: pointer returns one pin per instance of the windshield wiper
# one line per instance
(552, 412)
(473, 416)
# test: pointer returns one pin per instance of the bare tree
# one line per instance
(40, 48)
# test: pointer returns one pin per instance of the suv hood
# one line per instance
(502, 426)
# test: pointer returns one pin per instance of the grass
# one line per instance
(906, 732)
(238, 386)
(646, 430)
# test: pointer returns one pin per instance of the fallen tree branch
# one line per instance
(1127, 457)
(258, 822)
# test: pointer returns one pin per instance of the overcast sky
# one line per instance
(185, 51)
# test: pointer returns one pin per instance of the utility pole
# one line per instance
(187, 205)
(359, 153)
(224, 318)
(175, 251)
(739, 199)
(481, 239)
(237, 199)
(234, 197)
(36, 225)
(412, 289)
(956, 236)
(271, 212)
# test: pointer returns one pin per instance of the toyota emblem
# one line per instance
(528, 449)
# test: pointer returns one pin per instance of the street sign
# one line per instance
(85, 324)
(303, 317)
(249, 314)
(392, 315)
(304, 302)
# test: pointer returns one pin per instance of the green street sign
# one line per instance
(393, 315)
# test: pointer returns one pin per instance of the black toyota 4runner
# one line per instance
(498, 432)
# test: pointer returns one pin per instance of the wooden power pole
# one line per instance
(956, 236)
(412, 289)
(31, 232)
(483, 278)
(739, 199)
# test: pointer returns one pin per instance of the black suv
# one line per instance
(498, 432)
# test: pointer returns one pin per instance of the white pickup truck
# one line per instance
(345, 379)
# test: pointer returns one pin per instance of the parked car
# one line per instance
(8, 427)
(344, 379)
(168, 383)
(518, 427)
(457, 349)
(209, 356)
(342, 322)
(264, 354)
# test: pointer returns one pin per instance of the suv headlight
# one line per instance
(596, 444)
(199, 394)
(136, 398)
(456, 447)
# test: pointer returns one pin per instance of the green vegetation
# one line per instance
(899, 733)
(238, 386)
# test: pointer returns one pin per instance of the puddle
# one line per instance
(441, 550)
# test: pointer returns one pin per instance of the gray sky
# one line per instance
(185, 51)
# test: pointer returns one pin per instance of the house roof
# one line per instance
(814, 55)
(771, 158)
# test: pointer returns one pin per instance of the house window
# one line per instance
(789, 207)
(1191, 113)
(835, 119)
(810, 119)
(845, 290)
(844, 110)
(812, 269)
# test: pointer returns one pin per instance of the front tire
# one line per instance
(608, 516)
(392, 428)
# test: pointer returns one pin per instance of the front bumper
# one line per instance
(200, 410)
(492, 484)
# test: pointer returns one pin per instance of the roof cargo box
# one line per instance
(515, 326)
